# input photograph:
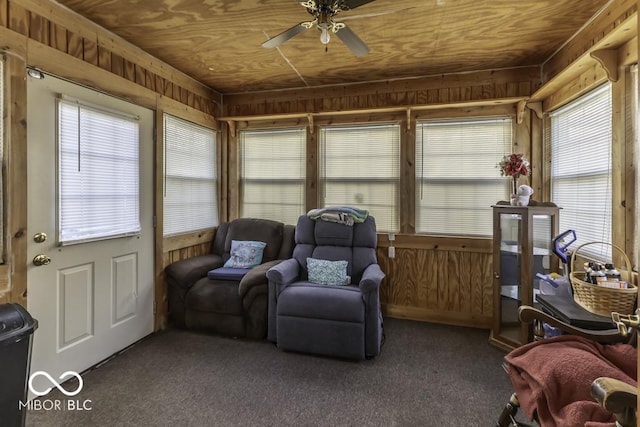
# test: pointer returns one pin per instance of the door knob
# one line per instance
(41, 259)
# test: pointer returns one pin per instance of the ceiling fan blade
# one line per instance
(352, 41)
(352, 4)
(285, 35)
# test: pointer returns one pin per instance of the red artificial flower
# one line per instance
(514, 165)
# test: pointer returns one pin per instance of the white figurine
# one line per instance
(524, 193)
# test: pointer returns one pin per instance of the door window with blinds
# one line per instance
(190, 177)
(457, 180)
(580, 138)
(98, 173)
(272, 174)
(360, 167)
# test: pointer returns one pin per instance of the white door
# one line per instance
(94, 298)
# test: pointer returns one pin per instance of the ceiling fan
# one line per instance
(323, 12)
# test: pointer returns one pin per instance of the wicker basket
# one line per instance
(599, 299)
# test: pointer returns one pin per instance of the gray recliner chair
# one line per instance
(340, 320)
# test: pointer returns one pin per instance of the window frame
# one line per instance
(215, 181)
(299, 182)
(136, 228)
(596, 252)
(419, 176)
(395, 181)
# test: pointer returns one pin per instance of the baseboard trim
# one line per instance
(437, 316)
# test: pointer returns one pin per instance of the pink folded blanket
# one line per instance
(552, 378)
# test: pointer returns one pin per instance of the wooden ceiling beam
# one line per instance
(467, 79)
(408, 109)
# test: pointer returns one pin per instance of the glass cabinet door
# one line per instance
(543, 261)
(522, 247)
(510, 264)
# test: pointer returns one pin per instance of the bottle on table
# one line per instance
(611, 272)
(597, 274)
(588, 268)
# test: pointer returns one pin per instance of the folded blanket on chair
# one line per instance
(340, 214)
(340, 218)
(552, 378)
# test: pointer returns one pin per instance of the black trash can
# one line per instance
(16, 336)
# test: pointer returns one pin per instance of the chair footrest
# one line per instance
(227, 273)
(322, 302)
(320, 336)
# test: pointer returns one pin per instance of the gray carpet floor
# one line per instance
(426, 375)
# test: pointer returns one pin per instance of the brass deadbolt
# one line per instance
(40, 237)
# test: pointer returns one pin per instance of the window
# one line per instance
(360, 167)
(633, 133)
(273, 173)
(190, 177)
(2, 216)
(457, 180)
(98, 173)
(580, 144)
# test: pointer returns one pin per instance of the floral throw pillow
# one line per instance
(245, 254)
(323, 272)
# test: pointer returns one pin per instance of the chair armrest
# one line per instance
(256, 276)
(186, 272)
(371, 278)
(528, 314)
(618, 397)
(284, 273)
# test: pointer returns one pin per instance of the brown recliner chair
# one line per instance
(228, 304)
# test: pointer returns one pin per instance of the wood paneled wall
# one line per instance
(427, 92)
(13, 281)
(54, 26)
(438, 279)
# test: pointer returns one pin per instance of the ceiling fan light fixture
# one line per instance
(323, 12)
(324, 36)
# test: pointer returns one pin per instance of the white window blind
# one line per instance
(190, 177)
(633, 112)
(2, 216)
(360, 167)
(457, 180)
(580, 147)
(98, 173)
(273, 173)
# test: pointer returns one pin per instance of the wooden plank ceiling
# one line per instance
(218, 42)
